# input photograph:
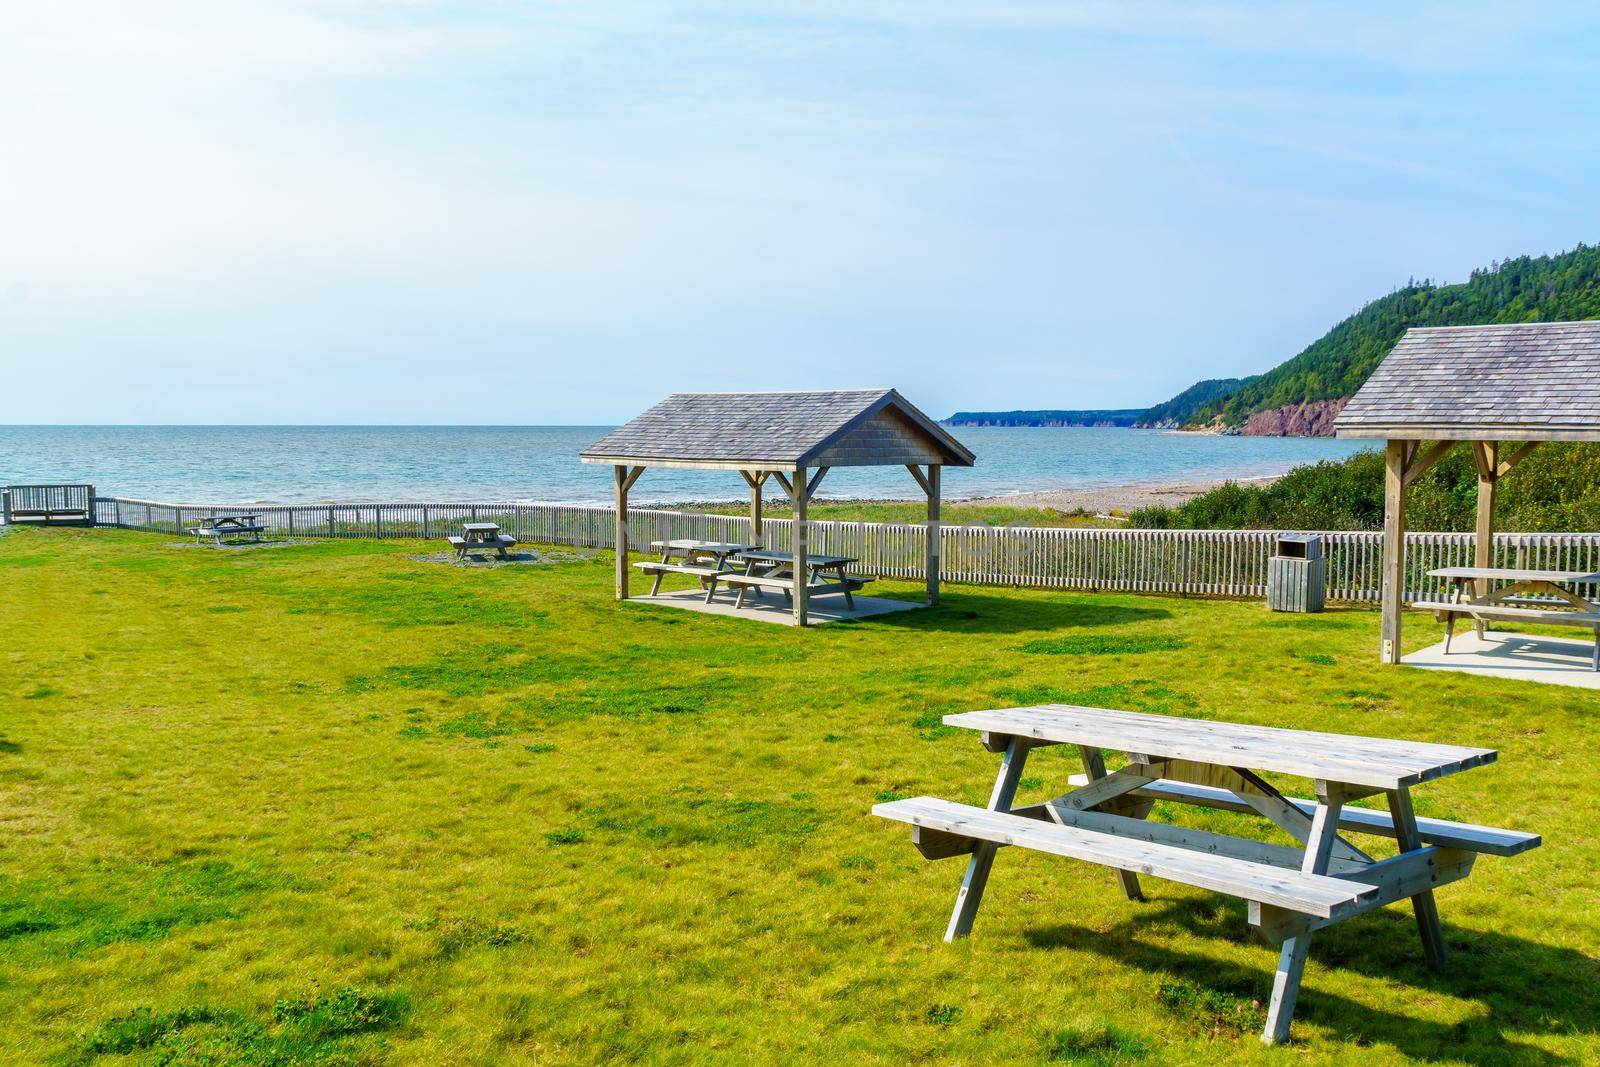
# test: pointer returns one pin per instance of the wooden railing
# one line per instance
(45, 500)
(1186, 562)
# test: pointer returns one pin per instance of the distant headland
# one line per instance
(1301, 396)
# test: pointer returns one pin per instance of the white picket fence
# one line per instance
(1189, 562)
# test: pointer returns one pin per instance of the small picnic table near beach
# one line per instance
(706, 560)
(1515, 594)
(1290, 891)
(767, 569)
(481, 537)
(221, 527)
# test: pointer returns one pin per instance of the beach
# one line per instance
(1104, 500)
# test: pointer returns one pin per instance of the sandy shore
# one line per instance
(1120, 498)
(1102, 501)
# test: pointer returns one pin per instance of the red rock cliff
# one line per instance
(1313, 419)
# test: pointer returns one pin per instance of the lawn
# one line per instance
(328, 801)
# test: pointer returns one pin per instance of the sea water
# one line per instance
(307, 464)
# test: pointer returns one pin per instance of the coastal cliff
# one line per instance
(1311, 419)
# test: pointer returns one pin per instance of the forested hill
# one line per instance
(1181, 408)
(1529, 289)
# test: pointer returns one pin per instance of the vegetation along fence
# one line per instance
(1200, 562)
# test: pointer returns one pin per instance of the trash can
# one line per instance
(1295, 574)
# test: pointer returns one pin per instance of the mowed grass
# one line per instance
(326, 803)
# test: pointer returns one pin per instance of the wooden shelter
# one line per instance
(1499, 389)
(792, 438)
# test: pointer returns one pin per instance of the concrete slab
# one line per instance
(775, 609)
(1528, 657)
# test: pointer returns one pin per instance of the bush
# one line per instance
(1556, 488)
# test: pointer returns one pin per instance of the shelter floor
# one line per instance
(774, 608)
(1528, 657)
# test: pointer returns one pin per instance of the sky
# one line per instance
(400, 211)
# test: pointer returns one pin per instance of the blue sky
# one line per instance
(403, 211)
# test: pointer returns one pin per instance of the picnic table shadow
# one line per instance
(982, 613)
(1524, 985)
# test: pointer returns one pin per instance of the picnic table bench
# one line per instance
(1541, 597)
(768, 569)
(481, 537)
(706, 560)
(220, 527)
(1290, 891)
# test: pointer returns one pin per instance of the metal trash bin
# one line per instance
(1296, 574)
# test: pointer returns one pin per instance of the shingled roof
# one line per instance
(1529, 381)
(780, 431)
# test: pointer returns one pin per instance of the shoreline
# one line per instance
(1099, 500)
(1123, 498)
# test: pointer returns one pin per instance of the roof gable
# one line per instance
(1519, 381)
(870, 427)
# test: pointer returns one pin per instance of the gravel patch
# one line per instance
(517, 559)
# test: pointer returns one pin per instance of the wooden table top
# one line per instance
(1350, 759)
(480, 527)
(774, 556)
(685, 544)
(1516, 574)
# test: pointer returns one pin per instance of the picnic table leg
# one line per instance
(977, 875)
(1292, 957)
(1094, 766)
(1409, 840)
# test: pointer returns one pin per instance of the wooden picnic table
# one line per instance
(1290, 891)
(769, 569)
(218, 527)
(1541, 597)
(479, 537)
(706, 560)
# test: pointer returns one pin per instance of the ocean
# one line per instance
(351, 464)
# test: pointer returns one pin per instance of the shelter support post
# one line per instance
(1487, 453)
(625, 477)
(931, 486)
(1392, 592)
(755, 480)
(798, 497)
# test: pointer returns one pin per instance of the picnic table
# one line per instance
(219, 527)
(481, 537)
(706, 560)
(768, 569)
(1290, 891)
(1542, 597)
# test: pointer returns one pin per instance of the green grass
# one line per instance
(381, 810)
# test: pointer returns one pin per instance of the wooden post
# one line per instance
(758, 481)
(933, 564)
(1292, 956)
(976, 877)
(797, 495)
(621, 531)
(1409, 840)
(91, 508)
(1394, 549)
(1487, 453)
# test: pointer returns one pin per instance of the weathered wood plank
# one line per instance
(1469, 837)
(1311, 894)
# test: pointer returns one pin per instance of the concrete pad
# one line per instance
(774, 608)
(1527, 657)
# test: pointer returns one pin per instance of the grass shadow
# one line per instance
(1523, 986)
(980, 613)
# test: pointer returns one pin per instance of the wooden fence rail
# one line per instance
(1193, 562)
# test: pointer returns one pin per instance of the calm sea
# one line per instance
(302, 464)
